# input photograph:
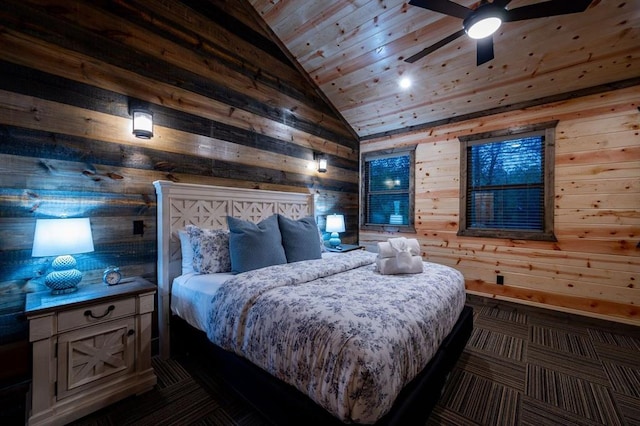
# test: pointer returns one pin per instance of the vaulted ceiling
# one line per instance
(354, 51)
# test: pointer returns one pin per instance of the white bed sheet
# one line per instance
(191, 296)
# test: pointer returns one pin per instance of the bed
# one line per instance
(387, 369)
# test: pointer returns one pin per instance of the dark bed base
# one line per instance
(282, 404)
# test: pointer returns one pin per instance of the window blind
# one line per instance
(505, 184)
(387, 185)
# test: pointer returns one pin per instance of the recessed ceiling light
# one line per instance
(405, 82)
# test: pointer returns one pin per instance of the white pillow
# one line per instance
(187, 252)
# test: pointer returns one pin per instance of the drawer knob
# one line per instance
(88, 313)
(130, 333)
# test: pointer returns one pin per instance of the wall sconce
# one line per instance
(335, 224)
(62, 238)
(142, 123)
(322, 162)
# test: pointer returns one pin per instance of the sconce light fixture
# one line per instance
(322, 162)
(62, 238)
(142, 123)
(335, 224)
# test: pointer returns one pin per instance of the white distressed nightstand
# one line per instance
(90, 349)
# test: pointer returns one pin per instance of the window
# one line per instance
(387, 190)
(506, 184)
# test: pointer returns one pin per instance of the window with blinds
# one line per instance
(388, 189)
(508, 187)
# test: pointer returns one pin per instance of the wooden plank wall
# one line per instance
(594, 267)
(229, 109)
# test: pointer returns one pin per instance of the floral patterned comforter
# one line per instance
(338, 331)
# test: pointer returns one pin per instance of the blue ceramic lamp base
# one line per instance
(334, 241)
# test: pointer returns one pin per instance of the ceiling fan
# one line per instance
(482, 22)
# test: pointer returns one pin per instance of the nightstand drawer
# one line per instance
(96, 314)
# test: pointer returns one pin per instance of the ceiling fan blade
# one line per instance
(547, 8)
(501, 3)
(484, 52)
(445, 7)
(424, 52)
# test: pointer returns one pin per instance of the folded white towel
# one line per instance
(393, 246)
(390, 266)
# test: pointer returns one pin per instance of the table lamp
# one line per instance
(62, 238)
(335, 224)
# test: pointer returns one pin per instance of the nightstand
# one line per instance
(90, 349)
(344, 248)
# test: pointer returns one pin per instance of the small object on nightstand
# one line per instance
(343, 248)
(112, 275)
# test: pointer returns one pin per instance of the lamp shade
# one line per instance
(54, 237)
(335, 223)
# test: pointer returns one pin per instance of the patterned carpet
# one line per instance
(522, 366)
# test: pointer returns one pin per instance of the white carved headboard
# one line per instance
(181, 204)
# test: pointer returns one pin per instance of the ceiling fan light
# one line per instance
(483, 27)
(484, 21)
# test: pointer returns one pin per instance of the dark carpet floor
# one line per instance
(522, 366)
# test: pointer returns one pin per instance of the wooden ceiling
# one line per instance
(354, 51)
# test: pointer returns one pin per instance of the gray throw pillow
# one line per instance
(254, 246)
(300, 238)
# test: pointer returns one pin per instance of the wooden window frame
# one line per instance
(547, 129)
(368, 156)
